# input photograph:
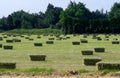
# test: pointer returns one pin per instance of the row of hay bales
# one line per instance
(40, 44)
(87, 61)
(97, 61)
(92, 60)
(6, 47)
(12, 65)
(95, 36)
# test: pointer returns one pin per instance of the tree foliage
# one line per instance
(75, 19)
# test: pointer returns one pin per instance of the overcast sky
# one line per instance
(34, 6)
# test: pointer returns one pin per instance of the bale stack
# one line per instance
(7, 65)
(37, 57)
(108, 65)
(99, 49)
(75, 43)
(91, 61)
(87, 52)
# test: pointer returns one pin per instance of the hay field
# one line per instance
(62, 55)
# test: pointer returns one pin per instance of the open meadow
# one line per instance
(62, 55)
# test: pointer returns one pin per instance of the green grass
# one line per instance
(41, 70)
(30, 70)
(61, 56)
(108, 71)
(83, 71)
(10, 70)
(35, 31)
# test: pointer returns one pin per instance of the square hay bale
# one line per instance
(75, 43)
(83, 41)
(1, 39)
(7, 47)
(57, 35)
(31, 39)
(115, 42)
(7, 65)
(5, 37)
(64, 38)
(87, 52)
(0, 45)
(67, 37)
(38, 44)
(14, 35)
(94, 36)
(51, 35)
(91, 61)
(106, 39)
(26, 37)
(16, 40)
(37, 57)
(108, 65)
(51, 38)
(49, 42)
(84, 36)
(115, 39)
(38, 37)
(45, 34)
(22, 36)
(106, 36)
(99, 38)
(9, 41)
(58, 38)
(99, 49)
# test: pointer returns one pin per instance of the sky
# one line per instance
(34, 6)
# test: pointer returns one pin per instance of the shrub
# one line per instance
(87, 52)
(37, 57)
(76, 43)
(37, 44)
(109, 66)
(99, 49)
(91, 61)
(7, 47)
(7, 65)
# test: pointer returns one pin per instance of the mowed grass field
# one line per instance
(62, 55)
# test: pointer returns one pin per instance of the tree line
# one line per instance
(75, 19)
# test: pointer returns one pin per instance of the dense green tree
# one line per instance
(115, 11)
(114, 17)
(75, 19)
(52, 15)
(26, 25)
(76, 15)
